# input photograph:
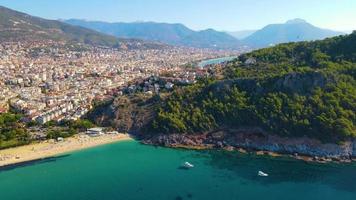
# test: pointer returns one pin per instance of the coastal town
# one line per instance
(54, 81)
(177, 100)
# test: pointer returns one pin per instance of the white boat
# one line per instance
(188, 165)
(261, 173)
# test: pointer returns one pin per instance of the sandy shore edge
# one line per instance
(50, 148)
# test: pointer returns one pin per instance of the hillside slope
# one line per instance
(297, 89)
(293, 90)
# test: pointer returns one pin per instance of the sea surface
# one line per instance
(216, 61)
(132, 171)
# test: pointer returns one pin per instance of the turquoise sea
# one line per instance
(131, 171)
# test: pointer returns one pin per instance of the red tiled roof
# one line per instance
(3, 110)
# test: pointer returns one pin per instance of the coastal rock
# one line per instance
(219, 145)
(303, 146)
(257, 140)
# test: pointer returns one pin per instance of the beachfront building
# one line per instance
(95, 131)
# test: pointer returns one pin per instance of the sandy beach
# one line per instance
(51, 148)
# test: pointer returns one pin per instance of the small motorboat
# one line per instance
(261, 173)
(187, 165)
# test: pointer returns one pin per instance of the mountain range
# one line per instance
(177, 34)
(17, 26)
(292, 31)
(174, 34)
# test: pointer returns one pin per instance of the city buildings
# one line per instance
(51, 80)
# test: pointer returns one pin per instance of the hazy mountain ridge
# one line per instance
(174, 34)
(18, 26)
(241, 34)
(292, 31)
(178, 34)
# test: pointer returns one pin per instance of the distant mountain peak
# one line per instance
(296, 21)
(209, 30)
(294, 30)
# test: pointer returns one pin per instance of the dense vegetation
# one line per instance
(12, 131)
(67, 128)
(294, 90)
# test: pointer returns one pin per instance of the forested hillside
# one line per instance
(293, 90)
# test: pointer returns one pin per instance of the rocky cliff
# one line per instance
(255, 139)
(127, 113)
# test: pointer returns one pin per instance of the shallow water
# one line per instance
(129, 171)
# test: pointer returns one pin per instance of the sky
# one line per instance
(223, 15)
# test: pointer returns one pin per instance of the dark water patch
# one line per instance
(32, 163)
(179, 198)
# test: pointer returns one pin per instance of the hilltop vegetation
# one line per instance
(293, 90)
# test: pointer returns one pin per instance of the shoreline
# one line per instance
(50, 148)
(272, 154)
(248, 141)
